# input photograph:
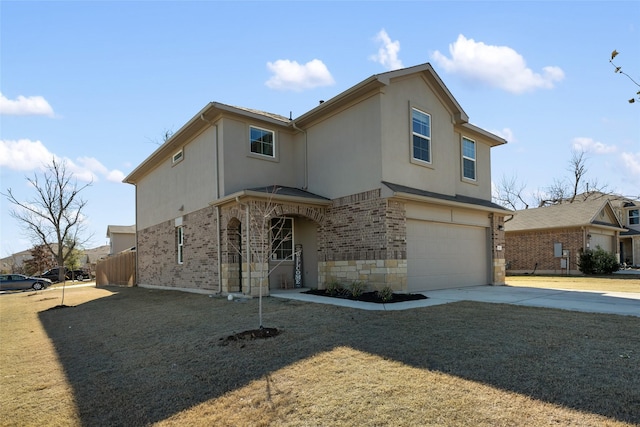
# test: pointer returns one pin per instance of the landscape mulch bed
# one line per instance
(367, 296)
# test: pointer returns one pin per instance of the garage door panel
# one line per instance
(443, 256)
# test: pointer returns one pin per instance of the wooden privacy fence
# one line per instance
(119, 269)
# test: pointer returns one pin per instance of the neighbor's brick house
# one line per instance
(387, 183)
(550, 239)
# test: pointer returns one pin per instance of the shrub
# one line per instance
(357, 289)
(385, 294)
(598, 261)
(334, 288)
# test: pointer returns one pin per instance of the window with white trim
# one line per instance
(282, 238)
(468, 158)
(634, 216)
(421, 135)
(262, 141)
(180, 243)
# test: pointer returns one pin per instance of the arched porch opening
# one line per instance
(233, 265)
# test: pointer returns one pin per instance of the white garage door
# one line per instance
(441, 256)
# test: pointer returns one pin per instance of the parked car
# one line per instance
(52, 274)
(20, 281)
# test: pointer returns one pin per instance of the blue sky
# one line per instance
(97, 83)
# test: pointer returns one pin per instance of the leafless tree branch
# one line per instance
(54, 217)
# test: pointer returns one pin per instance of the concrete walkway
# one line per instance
(622, 303)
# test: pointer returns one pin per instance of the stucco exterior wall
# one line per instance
(344, 151)
(170, 187)
(397, 165)
(243, 169)
(121, 241)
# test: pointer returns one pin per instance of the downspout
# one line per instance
(217, 208)
(306, 161)
(248, 228)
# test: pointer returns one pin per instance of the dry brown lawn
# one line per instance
(133, 356)
(615, 283)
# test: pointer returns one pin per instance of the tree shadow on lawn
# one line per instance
(140, 356)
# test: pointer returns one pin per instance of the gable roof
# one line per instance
(565, 215)
(384, 79)
(214, 110)
(120, 229)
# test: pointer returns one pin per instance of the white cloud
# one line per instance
(24, 155)
(497, 66)
(591, 146)
(505, 133)
(25, 106)
(632, 162)
(289, 75)
(28, 155)
(115, 176)
(387, 52)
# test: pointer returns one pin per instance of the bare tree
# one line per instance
(166, 134)
(54, 217)
(618, 69)
(566, 191)
(267, 235)
(510, 193)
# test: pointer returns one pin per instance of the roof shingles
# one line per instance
(560, 216)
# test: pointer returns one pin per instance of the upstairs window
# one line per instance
(421, 134)
(468, 158)
(180, 244)
(262, 141)
(634, 217)
(282, 238)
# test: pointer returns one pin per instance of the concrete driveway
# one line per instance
(622, 303)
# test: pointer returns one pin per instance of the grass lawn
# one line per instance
(133, 356)
(614, 283)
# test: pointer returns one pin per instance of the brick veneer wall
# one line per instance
(233, 214)
(525, 249)
(363, 238)
(363, 226)
(157, 253)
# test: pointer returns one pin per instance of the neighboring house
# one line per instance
(550, 239)
(14, 263)
(628, 212)
(94, 255)
(387, 183)
(630, 239)
(121, 238)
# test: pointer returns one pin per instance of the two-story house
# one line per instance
(387, 183)
(121, 238)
